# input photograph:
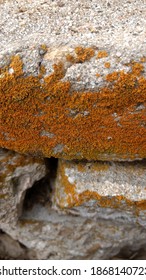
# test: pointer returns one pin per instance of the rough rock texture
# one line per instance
(108, 184)
(83, 218)
(12, 249)
(17, 174)
(73, 74)
(72, 86)
(75, 235)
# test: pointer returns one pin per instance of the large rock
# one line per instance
(57, 235)
(97, 210)
(73, 79)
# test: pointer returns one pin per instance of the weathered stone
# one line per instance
(74, 84)
(74, 235)
(97, 210)
(12, 249)
(98, 185)
(17, 174)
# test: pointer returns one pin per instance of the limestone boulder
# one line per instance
(73, 79)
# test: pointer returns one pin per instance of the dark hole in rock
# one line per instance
(41, 191)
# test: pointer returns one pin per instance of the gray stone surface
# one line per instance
(12, 249)
(66, 227)
(100, 183)
(17, 174)
(58, 235)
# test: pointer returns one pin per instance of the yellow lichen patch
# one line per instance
(28, 107)
(107, 65)
(82, 55)
(101, 54)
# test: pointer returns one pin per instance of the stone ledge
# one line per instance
(96, 184)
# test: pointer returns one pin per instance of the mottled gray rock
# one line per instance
(17, 174)
(107, 184)
(58, 235)
(12, 249)
(92, 225)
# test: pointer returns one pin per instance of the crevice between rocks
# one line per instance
(41, 191)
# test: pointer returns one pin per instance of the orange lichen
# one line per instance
(112, 76)
(107, 65)
(100, 166)
(42, 71)
(70, 58)
(16, 65)
(82, 55)
(137, 68)
(29, 107)
(97, 75)
(102, 54)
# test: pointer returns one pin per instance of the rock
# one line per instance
(60, 235)
(101, 185)
(97, 210)
(12, 249)
(17, 174)
(73, 85)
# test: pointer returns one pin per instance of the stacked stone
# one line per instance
(73, 87)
